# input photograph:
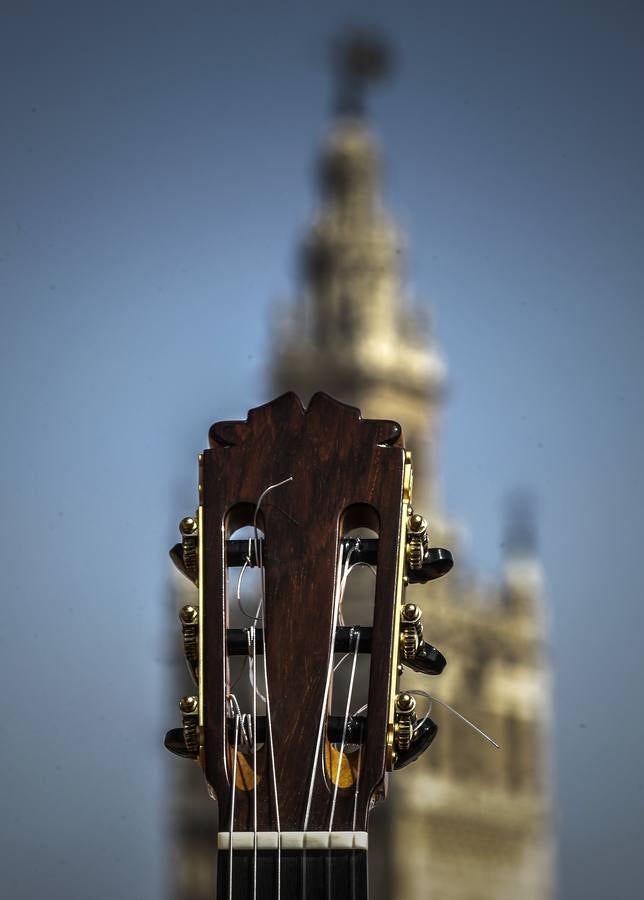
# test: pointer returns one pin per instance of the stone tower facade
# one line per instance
(466, 822)
(352, 331)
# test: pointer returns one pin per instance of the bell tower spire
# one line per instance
(353, 331)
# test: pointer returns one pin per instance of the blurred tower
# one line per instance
(353, 332)
(466, 822)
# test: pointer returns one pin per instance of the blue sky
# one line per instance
(156, 174)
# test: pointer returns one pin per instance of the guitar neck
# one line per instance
(303, 875)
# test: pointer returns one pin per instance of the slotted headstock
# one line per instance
(302, 481)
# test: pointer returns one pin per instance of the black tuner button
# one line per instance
(176, 555)
(175, 742)
(427, 660)
(423, 736)
(436, 563)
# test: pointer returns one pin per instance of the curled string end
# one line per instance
(455, 712)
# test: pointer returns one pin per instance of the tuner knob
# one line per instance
(189, 707)
(423, 736)
(428, 660)
(175, 742)
(436, 563)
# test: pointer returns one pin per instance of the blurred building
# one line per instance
(465, 822)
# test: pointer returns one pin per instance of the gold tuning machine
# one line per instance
(417, 541)
(415, 652)
(185, 741)
(190, 545)
(411, 630)
(189, 707)
(423, 563)
(185, 555)
(189, 618)
(408, 738)
(405, 720)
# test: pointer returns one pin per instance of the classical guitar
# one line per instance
(293, 758)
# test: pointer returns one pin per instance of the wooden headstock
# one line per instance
(301, 480)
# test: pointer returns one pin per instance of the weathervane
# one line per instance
(360, 58)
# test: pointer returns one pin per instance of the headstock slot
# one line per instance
(244, 525)
(351, 664)
(344, 743)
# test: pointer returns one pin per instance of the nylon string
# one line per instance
(252, 739)
(232, 809)
(327, 686)
(259, 557)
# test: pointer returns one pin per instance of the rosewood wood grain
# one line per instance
(347, 472)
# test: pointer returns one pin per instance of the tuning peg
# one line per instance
(404, 719)
(422, 737)
(184, 555)
(424, 564)
(411, 630)
(189, 618)
(184, 741)
(410, 738)
(414, 651)
(189, 707)
(417, 541)
(189, 539)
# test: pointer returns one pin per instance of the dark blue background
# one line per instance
(156, 172)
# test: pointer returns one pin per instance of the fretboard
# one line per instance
(303, 875)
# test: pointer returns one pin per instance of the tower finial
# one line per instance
(360, 57)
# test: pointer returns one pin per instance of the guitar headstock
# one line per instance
(275, 721)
